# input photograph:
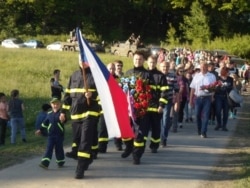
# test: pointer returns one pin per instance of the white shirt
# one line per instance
(199, 80)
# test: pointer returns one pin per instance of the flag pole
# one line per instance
(85, 81)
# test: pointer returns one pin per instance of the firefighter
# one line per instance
(137, 146)
(156, 104)
(81, 98)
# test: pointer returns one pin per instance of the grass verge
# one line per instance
(233, 168)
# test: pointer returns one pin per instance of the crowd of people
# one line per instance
(181, 92)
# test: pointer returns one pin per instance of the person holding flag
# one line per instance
(81, 99)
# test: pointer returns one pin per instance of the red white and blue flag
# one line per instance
(113, 99)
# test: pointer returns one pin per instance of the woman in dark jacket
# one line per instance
(221, 101)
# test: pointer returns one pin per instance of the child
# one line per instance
(3, 118)
(15, 110)
(41, 117)
(55, 130)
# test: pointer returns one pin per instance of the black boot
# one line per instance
(102, 147)
(118, 144)
(79, 172)
(128, 150)
(71, 155)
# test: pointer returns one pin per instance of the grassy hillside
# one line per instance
(29, 71)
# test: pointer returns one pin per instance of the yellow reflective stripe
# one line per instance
(82, 154)
(94, 147)
(152, 109)
(101, 112)
(138, 144)
(67, 107)
(145, 138)
(155, 140)
(103, 139)
(60, 126)
(78, 90)
(163, 88)
(153, 87)
(126, 139)
(45, 159)
(83, 115)
(74, 145)
(163, 100)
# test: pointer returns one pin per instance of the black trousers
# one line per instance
(152, 121)
(85, 136)
(103, 134)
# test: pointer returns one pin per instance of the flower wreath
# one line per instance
(139, 91)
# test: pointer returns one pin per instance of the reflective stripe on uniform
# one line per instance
(152, 109)
(94, 147)
(163, 100)
(83, 154)
(153, 87)
(78, 90)
(103, 139)
(139, 144)
(83, 115)
(60, 126)
(126, 139)
(164, 88)
(59, 161)
(46, 159)
(66, 107)
(155, 140)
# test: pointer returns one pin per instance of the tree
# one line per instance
(171, 37)
(195, 26)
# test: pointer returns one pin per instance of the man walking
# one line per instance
(203, 98)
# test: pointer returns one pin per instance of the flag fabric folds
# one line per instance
(113, 99)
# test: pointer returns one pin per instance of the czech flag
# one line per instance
(113, 99)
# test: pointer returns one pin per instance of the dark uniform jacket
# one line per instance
(52, 125)
(159, 90)
(154, 80)
(75, 100)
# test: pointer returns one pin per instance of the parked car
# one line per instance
(13, 43)
(96, 46)
(220, 53)
(154, 50)
(34, 44)
(55, 46)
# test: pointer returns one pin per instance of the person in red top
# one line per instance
(3, 117)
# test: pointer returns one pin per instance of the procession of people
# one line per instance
(187, 87)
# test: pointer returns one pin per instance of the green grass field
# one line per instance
(29, 71)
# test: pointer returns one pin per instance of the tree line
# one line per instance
(116, 20)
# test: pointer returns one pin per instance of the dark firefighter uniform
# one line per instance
(84, 116)
(152, 120)
(55, 132)
(137, 146)
(103, 134)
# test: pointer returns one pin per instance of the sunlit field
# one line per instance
(29, 71)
